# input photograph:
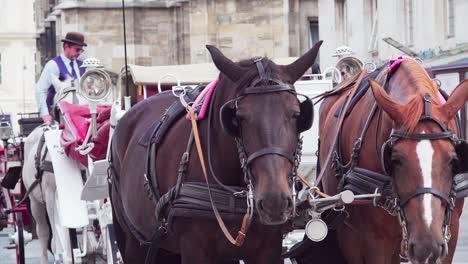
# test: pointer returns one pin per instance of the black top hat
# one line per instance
(75, 38)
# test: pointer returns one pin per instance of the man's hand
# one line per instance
(47, 118)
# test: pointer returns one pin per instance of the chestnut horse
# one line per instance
(256, 104)
(419, 157)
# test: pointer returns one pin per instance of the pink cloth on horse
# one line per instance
(76, 127)
(204, 98)
(395, 62)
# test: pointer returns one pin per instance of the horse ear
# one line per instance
(456, 100)
(386, 102)
(225, 65)
(298, 67)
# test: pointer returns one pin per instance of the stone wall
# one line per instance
(176, 32)
(241, 29)
(152, 35)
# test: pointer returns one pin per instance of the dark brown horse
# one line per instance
(420, 158)
(262, 115)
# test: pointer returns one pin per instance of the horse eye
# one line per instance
(296, 114)
(396, 161)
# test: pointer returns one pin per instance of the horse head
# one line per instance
(260, 110)
(423, 154)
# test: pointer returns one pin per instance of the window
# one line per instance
(410, 22)
(314, 33)
(371, 11)
(0, 68)
(341, 22)
(450, 18)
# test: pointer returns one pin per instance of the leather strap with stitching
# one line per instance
(239, 240)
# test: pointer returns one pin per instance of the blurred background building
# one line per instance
(165, 32)
(17, 49)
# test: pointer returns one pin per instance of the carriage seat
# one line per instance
(76, 127)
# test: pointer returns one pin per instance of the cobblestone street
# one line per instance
(8, 255)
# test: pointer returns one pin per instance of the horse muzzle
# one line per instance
(426, 251)
(273, 208)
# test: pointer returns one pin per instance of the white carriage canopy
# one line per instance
(201, 73)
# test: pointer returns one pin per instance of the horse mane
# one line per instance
(417, 78)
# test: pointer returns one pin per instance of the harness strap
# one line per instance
(239, 240)
(267, 151)
(427, 105)
(260, 89)
(420, 191)
(340, 123)
(417, 136)
(261, 69)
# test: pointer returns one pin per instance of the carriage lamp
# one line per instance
(5, 130)
(95, 86)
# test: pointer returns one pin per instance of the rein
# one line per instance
(247, 219)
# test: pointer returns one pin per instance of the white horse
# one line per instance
(42, 197)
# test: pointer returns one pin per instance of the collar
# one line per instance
(65, 60)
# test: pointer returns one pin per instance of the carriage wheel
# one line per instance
(20, 245)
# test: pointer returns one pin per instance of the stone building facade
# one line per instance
(165, 32)
(435, 30)
(176, 32)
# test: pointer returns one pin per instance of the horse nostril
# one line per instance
(411, 249)
(290, 203)
(260, 205)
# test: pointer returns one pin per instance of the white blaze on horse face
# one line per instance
(425, 152)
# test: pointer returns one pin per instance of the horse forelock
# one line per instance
(414, 83)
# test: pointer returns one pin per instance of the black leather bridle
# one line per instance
(231, 125)
(401, 202)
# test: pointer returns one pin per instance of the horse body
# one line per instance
(263, 120)
(42, 197)
(370, 234)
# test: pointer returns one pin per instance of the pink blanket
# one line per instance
(76, 127)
